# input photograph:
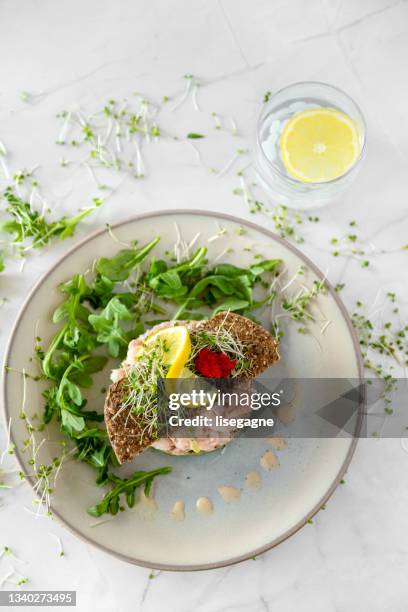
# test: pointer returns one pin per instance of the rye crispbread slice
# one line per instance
(260, 345)
(124, 430)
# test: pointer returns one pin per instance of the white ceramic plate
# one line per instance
(309, 471)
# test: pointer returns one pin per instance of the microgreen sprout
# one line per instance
(384, 345)
(8, 445)
(221, 340)
(190, 91)
(296, 304)
(19, 579)
(140, 400)
(9, 552)
(286, 223)
(351, 245)
(61, 552)
(27, 227)
(113, 135)
(222, 231)
(231, 161)
(217, 121)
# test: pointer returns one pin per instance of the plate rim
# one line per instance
(356, 345)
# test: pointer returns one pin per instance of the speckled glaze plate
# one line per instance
(288, 497)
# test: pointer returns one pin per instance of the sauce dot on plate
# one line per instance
(204, 505)
(278, 443)
(229, 494)
(178, 513)
(253, 480)
(269, 460)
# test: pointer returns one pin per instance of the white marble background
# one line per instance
(354, 557)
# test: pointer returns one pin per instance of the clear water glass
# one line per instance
(272, 174)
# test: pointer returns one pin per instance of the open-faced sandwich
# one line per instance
(227, 345)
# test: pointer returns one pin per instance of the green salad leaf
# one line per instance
(108, 329)
(126, 486)
(121, 265)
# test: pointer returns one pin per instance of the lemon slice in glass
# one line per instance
(319, 145)
(177, 343)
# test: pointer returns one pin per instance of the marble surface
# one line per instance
(79, 54)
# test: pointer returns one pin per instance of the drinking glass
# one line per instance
(271, 171)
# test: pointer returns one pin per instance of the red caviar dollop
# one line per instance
(210, 364)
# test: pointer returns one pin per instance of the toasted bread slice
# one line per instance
(261, 346)
(124, 430)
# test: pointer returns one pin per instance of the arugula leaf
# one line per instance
(230, 286)
(100, 292)
(223, 283)
(119, 267)
(69, 309)
(94, 449)
(107, 326)
(66, 226)
(51, 405)
(95, 364)
(66, 399)
(68, 312)
(173, 283)
(73, 392)
(267, 265)
(168, 285)
(194, 264)
(48, 366)
(229, 270)
(69, 392)
(73, 418)
(78, 339)
(232, 304)
(72, 422)
(110, 501)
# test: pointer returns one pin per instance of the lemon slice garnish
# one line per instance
(319, 145)
(177, 344)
